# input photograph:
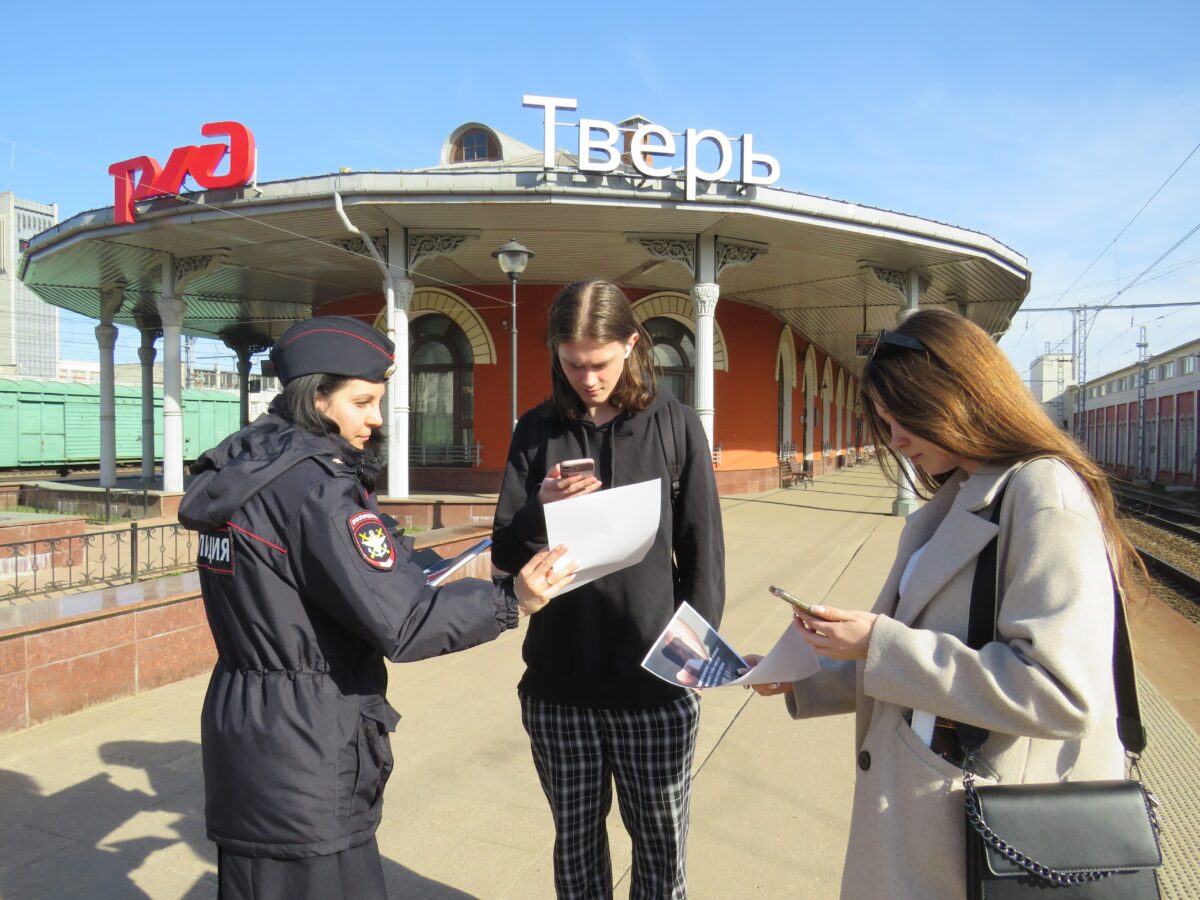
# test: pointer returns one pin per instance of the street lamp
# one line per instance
(513, 257)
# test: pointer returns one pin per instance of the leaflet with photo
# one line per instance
(691, 653)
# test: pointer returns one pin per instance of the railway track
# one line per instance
(1182, 580)
(1168, 540)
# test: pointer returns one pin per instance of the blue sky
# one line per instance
(1044, 125)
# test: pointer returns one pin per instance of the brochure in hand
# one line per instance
(444, 568)
(691, 653)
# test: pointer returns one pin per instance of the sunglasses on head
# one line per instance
(897, 341)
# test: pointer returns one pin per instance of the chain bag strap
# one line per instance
(1112, 798)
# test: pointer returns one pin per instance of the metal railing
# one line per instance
(106, 558)
(67, 501)
(787, 449)
(445, 454)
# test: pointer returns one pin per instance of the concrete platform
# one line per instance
(107, 803)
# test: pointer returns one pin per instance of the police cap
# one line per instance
(333, 345)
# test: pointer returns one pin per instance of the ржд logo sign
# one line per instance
(142, 177)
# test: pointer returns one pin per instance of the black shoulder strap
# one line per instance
(981, 629)
(674, 444)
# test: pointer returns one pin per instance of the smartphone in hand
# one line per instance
(794, 601)
(577, 467)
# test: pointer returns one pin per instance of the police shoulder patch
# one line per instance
(371, 538)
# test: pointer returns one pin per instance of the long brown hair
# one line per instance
(598, 310)
(962, 394)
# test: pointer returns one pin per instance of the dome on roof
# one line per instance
(474, 142)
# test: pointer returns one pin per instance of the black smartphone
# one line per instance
(577, 467)
(791, 599)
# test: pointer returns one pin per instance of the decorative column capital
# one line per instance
(171, 311)
(427, 246)
(704, 298)
(671, 248)
(111, 298)
(106, 336)
(146, 354)
(737, 253)
(404, 293)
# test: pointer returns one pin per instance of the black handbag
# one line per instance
(1093, 839)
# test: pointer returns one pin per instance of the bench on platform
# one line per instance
(792, 472)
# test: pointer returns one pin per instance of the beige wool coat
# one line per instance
(1044, 689)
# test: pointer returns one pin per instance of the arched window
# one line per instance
(441, 394)
(675, 357)
(475, 144)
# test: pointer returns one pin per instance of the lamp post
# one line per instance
(513, 257)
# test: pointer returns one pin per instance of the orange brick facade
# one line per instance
(746, 395)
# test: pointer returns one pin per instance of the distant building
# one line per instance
(28, 324)
(261, 389)
(1155, 441)
(216, 378)
(1049, 379)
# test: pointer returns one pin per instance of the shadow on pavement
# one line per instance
(88, 839)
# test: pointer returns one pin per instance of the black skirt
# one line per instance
(354, 874)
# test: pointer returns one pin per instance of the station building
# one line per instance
(760, 299)
(1154, 440)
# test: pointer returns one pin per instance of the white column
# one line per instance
(906, 498)
(146, 354)
(171, 310)
(106, 340)
(399, 303)
(704, 304)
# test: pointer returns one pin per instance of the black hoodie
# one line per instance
(586, 649)
(306, 593)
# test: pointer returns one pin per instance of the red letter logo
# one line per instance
(142, 177)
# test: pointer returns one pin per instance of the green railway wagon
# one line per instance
(49, 424)
(33, 422)
(208, 417)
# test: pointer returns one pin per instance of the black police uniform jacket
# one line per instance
(306, 593)
(587, 651)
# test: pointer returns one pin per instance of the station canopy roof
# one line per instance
(280, 250)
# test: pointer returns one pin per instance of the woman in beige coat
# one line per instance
(939, 393)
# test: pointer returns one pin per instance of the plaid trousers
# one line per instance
(578, 753)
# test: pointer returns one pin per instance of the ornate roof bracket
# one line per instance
(960, 305)
(355, 245)
(668, 247)
(189, 268)
(896, 279)
(428, 246)
(737, 253)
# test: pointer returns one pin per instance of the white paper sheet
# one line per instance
(605, 531)
(791, 659)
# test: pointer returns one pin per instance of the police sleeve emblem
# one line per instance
(371, 538)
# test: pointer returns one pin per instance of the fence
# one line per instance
(94, 503)
(101, 558)
(445, 454)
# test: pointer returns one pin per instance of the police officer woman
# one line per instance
(307, 593)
